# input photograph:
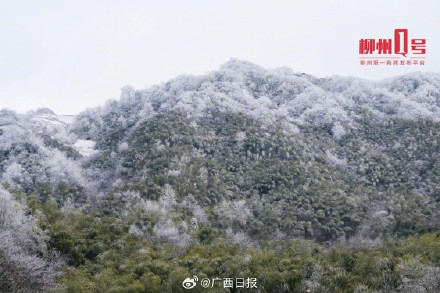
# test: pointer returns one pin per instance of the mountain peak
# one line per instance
(240, 66)
(44, 111)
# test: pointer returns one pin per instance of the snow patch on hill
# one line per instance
(85, 147)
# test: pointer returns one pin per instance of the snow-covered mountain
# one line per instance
(244, 154)
(295, 117)
(66, 147)
(270, 95)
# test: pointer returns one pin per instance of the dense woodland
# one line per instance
(321, 184)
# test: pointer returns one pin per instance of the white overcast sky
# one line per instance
(71, 55)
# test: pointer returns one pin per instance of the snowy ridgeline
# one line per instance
(268, 95)
(271, 95)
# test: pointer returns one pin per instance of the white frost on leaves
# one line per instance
(23, 247)
(168, 200)
(168, 232)
(64, 170)
(240, 136)
(16, 176)
(338, 131)
(334, 160)
(123, 146)
(230, 213)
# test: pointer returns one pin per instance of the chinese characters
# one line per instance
(393, 52)
(245, 283)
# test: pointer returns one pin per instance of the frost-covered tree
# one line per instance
(25, 263)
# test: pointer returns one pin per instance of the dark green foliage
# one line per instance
(106, 258)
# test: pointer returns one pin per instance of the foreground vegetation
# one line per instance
(103, 255)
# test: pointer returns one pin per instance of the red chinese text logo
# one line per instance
(398, 48)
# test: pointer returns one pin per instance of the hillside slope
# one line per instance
(242, 153)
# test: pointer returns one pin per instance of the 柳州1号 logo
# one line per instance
(401, 49)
